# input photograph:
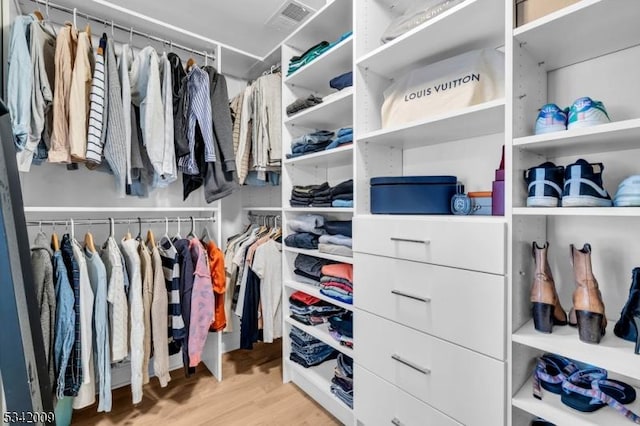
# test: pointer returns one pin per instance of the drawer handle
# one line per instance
(411, 296)
(396, 422)
(410, 364)
(408, 240)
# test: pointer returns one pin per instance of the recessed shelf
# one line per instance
(478, 120)
(36, 209)
(567, 36)
(616, 136)
(316, 74)
(553, 410)
(470, 25)
(341, 156)
(335, 111)
(321, 332)
(578, 211)
(316, 253)
(613, 353)
(332, 20)
(319, 209)
(316, 381)
(315, 291)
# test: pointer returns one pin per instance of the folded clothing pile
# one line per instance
(341, 329)
(338, 239)
(337, 282)
(310, 310)
(306, 230)
(297, 62)
(343, 137)
(308, 269)
(308, 351)
(310, 143)
(301, 104)
(342, 81)
(323, 195)
(342, 382)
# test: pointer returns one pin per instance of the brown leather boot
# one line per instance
(588, 308)
(547, 310)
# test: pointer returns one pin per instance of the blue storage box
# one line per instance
(412, 194)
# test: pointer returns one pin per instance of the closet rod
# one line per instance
(129, 30)
(120, 221)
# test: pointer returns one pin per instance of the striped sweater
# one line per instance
(171, 269)
(115, 150)
(97, 109)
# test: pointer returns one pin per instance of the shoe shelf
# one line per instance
(315, 292)
(316, 74)
(341, 156)
(583, 31)
(316, 382)
(578, 211)
(553, 410)
(478, 120)
(441, 37)
(321, 332)
(316, 253)
(612, 353)
(616, 136)
(335, 111)
(319, 209)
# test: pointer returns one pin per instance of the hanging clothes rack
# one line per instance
(120, 221)
(262, 219)
(132, 31)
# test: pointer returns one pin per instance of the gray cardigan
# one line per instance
(220, 180)
(45, 292)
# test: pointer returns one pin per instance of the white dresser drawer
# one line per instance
(378, 402)
(463, 384)
(449, 241)
(464, 307)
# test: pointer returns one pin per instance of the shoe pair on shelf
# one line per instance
(582, 387)
(587, 312)
(577, 185)
(584, 112)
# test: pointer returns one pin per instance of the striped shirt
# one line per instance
(96, 109)
(199, 112)
(171, 269)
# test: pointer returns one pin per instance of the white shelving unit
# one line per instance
(333, 166)
(551, 64)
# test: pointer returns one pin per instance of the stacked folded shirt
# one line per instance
(303, 196)
(338, 239)
(341, 329)
(301, 104)
(342, 382)
(308, 351)
(303, 240)
(308, 269)
(342, 81)
(337, 282)
(344, 136)
(310, 310)
(310, 143)
(297, 62)
(323, 195)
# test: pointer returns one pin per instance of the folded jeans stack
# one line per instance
(302, 240)
(312, 223)
(337, 282)
(307, 350)
(303, 196)
(308, 269)
(310, 143)
(341, 329)
(342, 381)
(342, 81)
(342, 194)
(301, 104)
(310, 310)
(343, 137)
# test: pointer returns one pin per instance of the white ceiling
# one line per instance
(239, 24)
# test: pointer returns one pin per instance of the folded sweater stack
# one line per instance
(323, 195)
(337, 282)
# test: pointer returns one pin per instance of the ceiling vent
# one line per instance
(289, 16)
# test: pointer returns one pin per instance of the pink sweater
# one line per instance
(202, 303)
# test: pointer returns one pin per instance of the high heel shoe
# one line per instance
(588, 309)
(628, 326)
(546, 307)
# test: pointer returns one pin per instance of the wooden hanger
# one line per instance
(127, 236)
(151, 240)
(88, 242)
(55, 242)
(191, 62)
(38, 15)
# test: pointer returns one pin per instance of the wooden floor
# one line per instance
(252, 393)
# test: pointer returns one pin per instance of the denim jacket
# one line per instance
(65, 323)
